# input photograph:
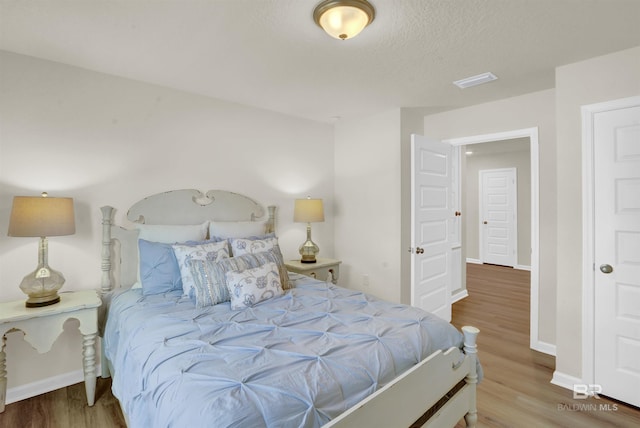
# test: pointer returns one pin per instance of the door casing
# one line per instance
(531, 133)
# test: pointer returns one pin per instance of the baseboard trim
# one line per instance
(49, 384)
(479, 262)
(459, 295)
(544, 347)
(564, 380)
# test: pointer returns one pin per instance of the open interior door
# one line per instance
(431, 218)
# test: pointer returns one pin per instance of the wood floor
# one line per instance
(515, 391)
(66, 408)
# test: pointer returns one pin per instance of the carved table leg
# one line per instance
(3, 374)
(89, 362)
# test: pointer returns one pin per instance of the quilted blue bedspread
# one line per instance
(297, 360)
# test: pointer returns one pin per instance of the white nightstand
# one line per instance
(323, 269)
(42, 326)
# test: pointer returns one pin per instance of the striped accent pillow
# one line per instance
(184, 253)
(210, 278)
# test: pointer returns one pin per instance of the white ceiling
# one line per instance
(270, 53)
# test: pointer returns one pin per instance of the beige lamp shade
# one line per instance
(308, 211)
(41, 216)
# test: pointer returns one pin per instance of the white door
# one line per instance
(617, 253)
(498, 204)
(431, 219)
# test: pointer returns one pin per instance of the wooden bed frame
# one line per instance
(437, 392)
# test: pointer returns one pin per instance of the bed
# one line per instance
(309, 354)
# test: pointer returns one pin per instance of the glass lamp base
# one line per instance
(38, 302)
(42, 287)
(308, 249)
(308, 259)
(308, 252)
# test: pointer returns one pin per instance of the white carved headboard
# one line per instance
(176, 207)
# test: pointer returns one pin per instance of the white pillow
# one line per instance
(172, 233)
(236, 229)
(251, 286)
(214, 251)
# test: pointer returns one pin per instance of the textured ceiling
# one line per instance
(270, 54)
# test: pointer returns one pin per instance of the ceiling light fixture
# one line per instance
(475, 80)
(344, 19)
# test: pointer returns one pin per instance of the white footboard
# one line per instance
(408, 397)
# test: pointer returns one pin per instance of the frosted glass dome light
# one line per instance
(343, 19)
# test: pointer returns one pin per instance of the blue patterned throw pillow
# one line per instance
(252, 245)
(251, 286)
(210, 277)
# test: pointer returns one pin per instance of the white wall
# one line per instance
(596, 80)
(104, 140)
(527, 111)
(367, 203)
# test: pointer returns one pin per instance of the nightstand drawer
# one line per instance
(323, 269)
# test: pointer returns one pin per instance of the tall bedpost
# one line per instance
(105, 285)
(271, 222)
(471, 350)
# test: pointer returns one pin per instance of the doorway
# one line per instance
(475, 144)
(497, 155)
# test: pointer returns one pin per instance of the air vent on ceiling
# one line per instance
(475, 80)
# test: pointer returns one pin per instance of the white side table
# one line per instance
(322, 269)
(42, 326)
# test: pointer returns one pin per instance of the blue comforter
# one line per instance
(298, 360)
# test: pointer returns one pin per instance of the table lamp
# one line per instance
(308, 211)
(33, 216)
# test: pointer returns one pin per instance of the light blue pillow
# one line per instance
(252, 286)
(159, 270)
(210, 277)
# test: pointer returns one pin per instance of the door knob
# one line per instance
(606, 268)
(484, 222)
(419, 250)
